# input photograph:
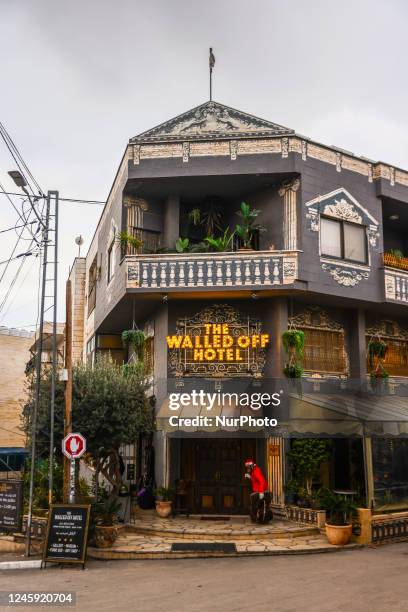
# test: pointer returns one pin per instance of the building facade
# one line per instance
(328, 261)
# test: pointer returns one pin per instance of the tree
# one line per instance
(306, 457)
(109, 407)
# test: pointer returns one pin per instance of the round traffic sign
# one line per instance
(74, 445)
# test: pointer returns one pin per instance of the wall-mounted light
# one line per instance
(254, 295)
(165, 297)
(394, 217)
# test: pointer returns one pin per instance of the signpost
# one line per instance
(73, 447)
(11, 497)
(67, 533)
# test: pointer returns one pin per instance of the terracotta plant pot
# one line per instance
(164, 508)
(105, 536)
(338, 535)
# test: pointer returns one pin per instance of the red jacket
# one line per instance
(259, 484)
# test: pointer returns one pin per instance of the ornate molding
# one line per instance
(341, 209)
(346, 276)
(211, 121)
(292, 185)
(315, 318)
(388, 329)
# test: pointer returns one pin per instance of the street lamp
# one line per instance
(20, 181)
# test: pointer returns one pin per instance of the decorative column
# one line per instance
(288, 192)
(276, 470)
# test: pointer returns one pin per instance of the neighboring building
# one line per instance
(331, 263)
(14, 355)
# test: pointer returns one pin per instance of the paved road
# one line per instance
(371, 580)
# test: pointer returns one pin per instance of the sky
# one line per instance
(79, 78)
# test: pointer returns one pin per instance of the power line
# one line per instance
(17, 227)
(74, 200)
(16, 155)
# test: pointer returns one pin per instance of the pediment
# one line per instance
(212, 121)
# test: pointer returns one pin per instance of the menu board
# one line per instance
(11, 496)
(67, 533)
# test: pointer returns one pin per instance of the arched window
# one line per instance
(396, 359)
(324, 351)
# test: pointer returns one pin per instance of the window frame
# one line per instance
(110, 261)
(92, 282)
(342, 223)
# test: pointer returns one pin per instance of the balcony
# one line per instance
(396, 278)
(226, 271)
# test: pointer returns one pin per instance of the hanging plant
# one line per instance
(136, 339)
(293, 342)
(376, 349)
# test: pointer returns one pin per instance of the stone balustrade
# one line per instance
(245, 269)
(396, 285)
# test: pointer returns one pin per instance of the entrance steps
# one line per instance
(236, 528)
(150, 537)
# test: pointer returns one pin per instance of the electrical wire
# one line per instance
(16, 155)
(16, 227)
(60, 199)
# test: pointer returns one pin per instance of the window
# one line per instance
(110, 346)
(92, 275)
(149, 356)
(111, 261)
(343, 240)
(324, 350)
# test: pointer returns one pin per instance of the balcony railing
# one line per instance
(396, 285)
(250, 269)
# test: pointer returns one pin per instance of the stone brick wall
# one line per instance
(77, 277)
(14, 354)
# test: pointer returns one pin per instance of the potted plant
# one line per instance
(126, 240)
(245, 231)
(338, 524)
(221, 243)
(105, 529)
(182, 245)
(164, 501)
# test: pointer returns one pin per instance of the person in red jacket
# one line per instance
(260, 497)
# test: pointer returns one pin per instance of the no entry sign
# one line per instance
(74, 445)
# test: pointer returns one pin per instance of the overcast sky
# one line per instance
(79, 78)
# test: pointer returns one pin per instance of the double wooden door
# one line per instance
(215, 469)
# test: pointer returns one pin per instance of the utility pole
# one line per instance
(68, 387)
(37, 380)
(53, 195)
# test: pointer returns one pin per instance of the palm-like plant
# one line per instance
(220, 243)
(246, 229)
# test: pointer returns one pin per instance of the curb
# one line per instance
(13, 565)
(108, 555)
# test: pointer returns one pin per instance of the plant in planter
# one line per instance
(247, 228)
(126, 240)
(105, 529)
(164, 501)
(338, 523)
(293, 342)
(182, 245)
(221, 243)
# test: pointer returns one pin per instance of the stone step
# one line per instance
(132, 546)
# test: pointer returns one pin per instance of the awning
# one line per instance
(347, 414)
(13, 450)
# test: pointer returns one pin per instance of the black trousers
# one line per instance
(260, 509)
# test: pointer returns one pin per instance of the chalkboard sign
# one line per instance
(67, 533)
(11, 497)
